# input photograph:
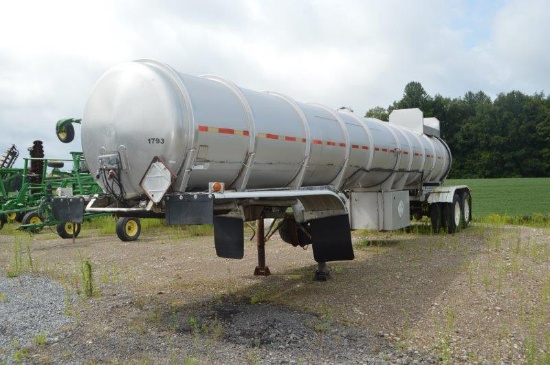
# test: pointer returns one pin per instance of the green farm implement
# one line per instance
(39, 180)
(10, 177)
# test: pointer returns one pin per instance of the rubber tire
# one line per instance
(66, 133)
(466, 205)
(436, 217)
(65, 229)
(3, 220)
(128, 228)
(56, 164)
(30, 218)
(19, 217)
(454, 222)
(291, 233)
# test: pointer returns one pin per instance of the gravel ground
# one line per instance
(30, 307)
(228, 331)
(479, 296)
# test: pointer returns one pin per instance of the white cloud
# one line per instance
(352, 52)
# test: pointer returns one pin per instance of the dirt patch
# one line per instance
(479, 295)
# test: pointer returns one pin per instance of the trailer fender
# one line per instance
(445, 194)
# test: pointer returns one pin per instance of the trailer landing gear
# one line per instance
(261, 269)
(322, 273)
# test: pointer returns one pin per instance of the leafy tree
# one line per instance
(507, 137)
(378, 113)
(414, 96)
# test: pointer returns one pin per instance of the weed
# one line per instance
(324, 323)
(195, 328)
(260, 296)
(111, 276)
(17, 263)
(3, 297)
(445, 348)
(21, 355)
(29, 256)
(191, 360)
(253, 356)
(486, 281)
(86, 277)
(40, 339)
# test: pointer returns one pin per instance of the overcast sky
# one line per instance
(357, 53)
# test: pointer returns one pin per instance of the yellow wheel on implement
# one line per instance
(65, 132)
(128, 228)
(11, 216)
(67, 229)
(33, 218)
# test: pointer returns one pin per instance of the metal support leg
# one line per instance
(261, 269)
(322, 273)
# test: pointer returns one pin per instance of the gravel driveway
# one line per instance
(407, 298)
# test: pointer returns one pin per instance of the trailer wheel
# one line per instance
(32, 218)
(436, 217)
(128, 228)
(454, 215)
(291, 233)
(66, 229)
(65, 133)
(3, 220)
(466, 205)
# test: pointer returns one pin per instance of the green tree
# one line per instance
(414, 96)
(378, 113)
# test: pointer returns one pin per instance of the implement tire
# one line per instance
(65, 133)
(32, 218)
(65, 229)
(128, 228)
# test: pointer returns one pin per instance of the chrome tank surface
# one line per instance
(207, 129)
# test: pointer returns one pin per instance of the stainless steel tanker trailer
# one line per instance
(201, 150)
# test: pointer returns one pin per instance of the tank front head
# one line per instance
(135, 113)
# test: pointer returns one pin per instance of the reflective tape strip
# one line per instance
(278, 137)
(281, 138)
(238, 132)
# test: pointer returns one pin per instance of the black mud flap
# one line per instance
(331, 239)
(229, 237)
(189, 209)
(68, 209)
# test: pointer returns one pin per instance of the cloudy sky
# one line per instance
(358, 53)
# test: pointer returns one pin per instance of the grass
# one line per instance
(508, 197)
(106, 225)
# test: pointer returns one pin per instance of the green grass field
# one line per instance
(508, 197)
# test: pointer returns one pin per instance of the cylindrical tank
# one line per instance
(208, 129)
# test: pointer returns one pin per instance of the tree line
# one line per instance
(505, 137)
